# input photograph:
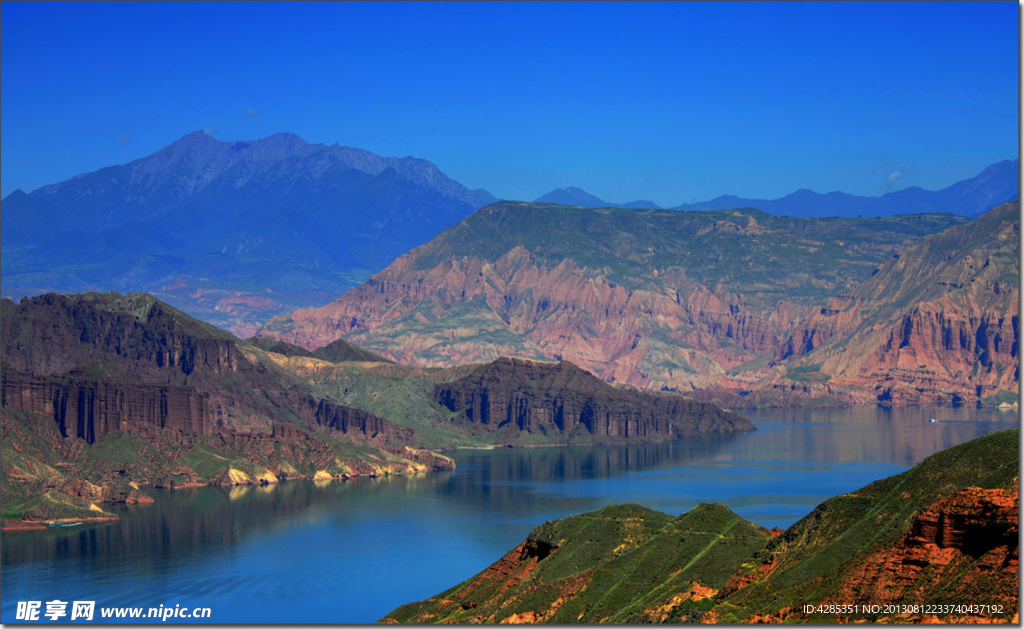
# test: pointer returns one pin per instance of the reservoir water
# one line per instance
(350, 552)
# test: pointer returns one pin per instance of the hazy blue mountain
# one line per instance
(995, 185)
(572, 196)
(582, 198)
(484, 197)
(231, 232)
(641, 204)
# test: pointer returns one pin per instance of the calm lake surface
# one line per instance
(350, 552)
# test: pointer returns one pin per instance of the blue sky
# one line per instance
(674, 102)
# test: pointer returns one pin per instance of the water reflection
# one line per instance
(351, 551)
(902, 437)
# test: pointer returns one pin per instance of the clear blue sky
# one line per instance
(673, 102)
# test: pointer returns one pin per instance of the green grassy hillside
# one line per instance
(944, 532)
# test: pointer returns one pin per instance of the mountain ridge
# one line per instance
(688, 301)
(995, 185)
(229, 231)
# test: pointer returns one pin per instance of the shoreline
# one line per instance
(10, 525)
(42, 525)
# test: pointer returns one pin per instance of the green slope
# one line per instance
(630, 564)
(817, 553)
(613, 564)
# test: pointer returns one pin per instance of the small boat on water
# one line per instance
(932, 420)
(60, 525)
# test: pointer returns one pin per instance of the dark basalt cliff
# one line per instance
(347, 420)
(92, 409)
(98, 363)
(562, 399)
(57, 333)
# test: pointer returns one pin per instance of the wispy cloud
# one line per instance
(891, 172)
(208, 130)
(249, 113)
(124, 139)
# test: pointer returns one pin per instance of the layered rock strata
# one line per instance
(560, 398)
(749, 308)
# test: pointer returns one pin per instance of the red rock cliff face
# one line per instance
(939, 323)
(613, 295)
(566, 312)
(91, 410)
(967, 543)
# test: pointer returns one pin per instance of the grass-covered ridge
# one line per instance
(815, 555)
(631, 564)
(616, 564)
(808, 258)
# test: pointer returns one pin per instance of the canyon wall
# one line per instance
(746, 307)
(91, 409)
(560, 398)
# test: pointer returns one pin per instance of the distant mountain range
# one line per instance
(582, 198)
(996, 184)
(237, 232)
(231, 232)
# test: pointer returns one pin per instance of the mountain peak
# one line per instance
(641, 204)
(571, 196)
(201, 136)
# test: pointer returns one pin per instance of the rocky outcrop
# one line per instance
(353, 421)
(92, 409)
(938, 323)
(965, 544)
(972, 522)
(972, 535)
(58, 333)
(562, 399)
